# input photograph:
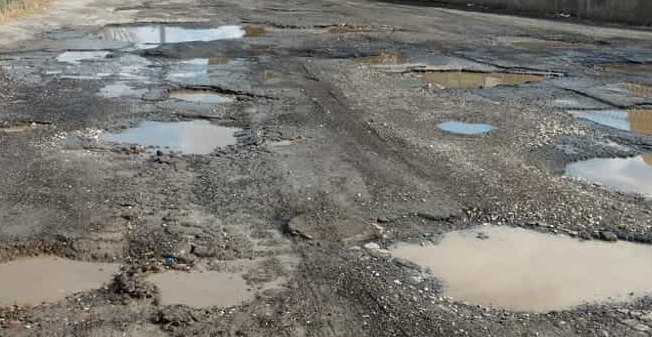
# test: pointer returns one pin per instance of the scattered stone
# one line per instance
(608, 236)
(371, 246)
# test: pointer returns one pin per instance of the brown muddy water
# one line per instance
(202, 289)
(34, 280)
(632, 120)
(474, 80)
(629, 175)
(523, 270)
(382, 59)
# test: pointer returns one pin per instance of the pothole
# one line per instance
(120, 90)
(463, 128)
(75, 57)
(158, 34)
(474, 80)
(633, 68)
(523, 270)
(629, 175)
(32, 281)
(632, 120)
(192, 137)
(200, 96)
(202, 289)
(382, 59)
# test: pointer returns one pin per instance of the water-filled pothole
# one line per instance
(31, 281)
(633, 68)
(632, 120)
(384, 58)
(474, 80)
(519, 269)
(75, 57)
(158, 34)
(463, 128)
(193, 137)
(201, 289)
(629, 175)
(200, 96)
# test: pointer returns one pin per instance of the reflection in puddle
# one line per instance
(195, 137)
(639, 90)
(200, 96)
(74, 57)
(477, 80)
(518, 269)
(157, 34)
(31, 281)
(633, 120)
(630, 175)
(201, 289)
(120, 90)
(628, 68)
(382, 59)
(465, 128)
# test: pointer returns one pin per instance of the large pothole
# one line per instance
(32, 281)
(523, 270)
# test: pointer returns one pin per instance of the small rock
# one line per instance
(608, 236)
(371, 246)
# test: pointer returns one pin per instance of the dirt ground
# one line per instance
(335, 153)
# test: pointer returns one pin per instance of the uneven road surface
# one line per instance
(249, 167)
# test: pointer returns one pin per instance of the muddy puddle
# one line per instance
(120, 90)
(32, 281)
(629, 175)
(474, 80)
(193, 137)
(201, 289)
(75, 57)
(633, 120)
(523, 270)
(384, 58)
(463, 128)
(159, 34)
(633, 68)
(200, 96)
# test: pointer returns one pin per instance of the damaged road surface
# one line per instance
(323, 168)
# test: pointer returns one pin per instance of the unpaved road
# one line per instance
(333, 153)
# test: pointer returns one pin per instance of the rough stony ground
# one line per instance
(335, 154)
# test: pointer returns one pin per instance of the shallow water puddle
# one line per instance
(157, 34)
(630, 175)
(633, 68)
(201, 289)
(518, 269)
(194, 137)
(382, 59)
(200, 96)
(31, 281)
(120, 90)
(75, 57)
(463, 128)
(475, 80)
(633, 120)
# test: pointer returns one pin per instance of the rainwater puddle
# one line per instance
(629, 175)
(628, 68)
(194, 137)
(120, 90)
(157, 34)
(75, 57)
(465, 128)
(523, 270)
(633, 120)
(201, 289)
(31, 281)
(382, 59)
(475, 80)
(200, 96)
